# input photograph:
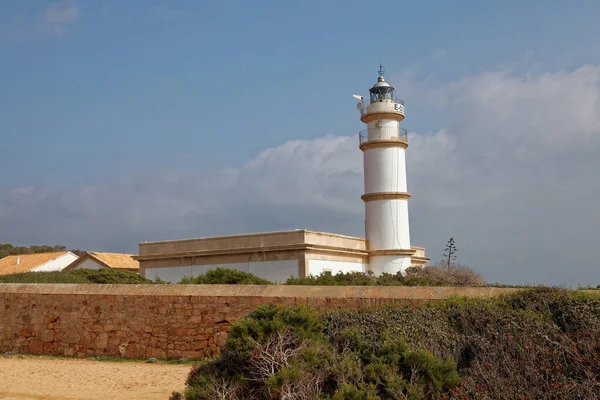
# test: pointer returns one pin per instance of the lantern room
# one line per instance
(382, 90)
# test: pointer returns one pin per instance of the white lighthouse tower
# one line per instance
(384, 145)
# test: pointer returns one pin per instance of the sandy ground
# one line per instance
(32, 378)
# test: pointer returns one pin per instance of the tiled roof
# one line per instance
(117, 260)
(108, 260)
(26, 262)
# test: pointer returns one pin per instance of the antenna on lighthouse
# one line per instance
(381, 71)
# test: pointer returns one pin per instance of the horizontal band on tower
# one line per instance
(392, 252)
(373, 144)
(385, 196)
(375, 115)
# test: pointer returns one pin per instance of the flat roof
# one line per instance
(299, 239)
(243, 235)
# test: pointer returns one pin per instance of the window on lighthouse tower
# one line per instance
(382, 93)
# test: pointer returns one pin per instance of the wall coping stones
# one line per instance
(280, 291)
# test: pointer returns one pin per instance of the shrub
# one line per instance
(537, 343)
(44, 277)
(224, 276)
(273, 352)
(364, 279)
(281, 352)
(454, 275)
(81, 276)
(388, 369)
(339, 279)
(110, 276)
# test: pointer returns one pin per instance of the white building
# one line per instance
(278, 255)
(39, 262)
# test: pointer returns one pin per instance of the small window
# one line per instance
(327, 272)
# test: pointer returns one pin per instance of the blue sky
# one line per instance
(117, 94)
(151, 84)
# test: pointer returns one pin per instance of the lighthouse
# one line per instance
(384, 145)
(302, 252)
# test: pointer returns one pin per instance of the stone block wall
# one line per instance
(165, 321)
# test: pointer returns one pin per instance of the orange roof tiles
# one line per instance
(26, 262)
(108, 260)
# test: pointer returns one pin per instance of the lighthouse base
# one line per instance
(389, 264)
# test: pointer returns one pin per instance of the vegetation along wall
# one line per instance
(166, 321)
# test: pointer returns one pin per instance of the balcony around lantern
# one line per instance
(384, 134)
(366, 104)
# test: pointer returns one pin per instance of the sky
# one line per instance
(123, 122)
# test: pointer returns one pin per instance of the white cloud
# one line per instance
(524, 163)
(286, 175)
(60, 16)
(56, 19)
(512, 177)
(61, 13)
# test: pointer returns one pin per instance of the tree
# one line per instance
(450, 253)
(9, 250)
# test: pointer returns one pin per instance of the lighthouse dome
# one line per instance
(381, 82)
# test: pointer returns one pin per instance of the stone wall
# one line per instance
(165, 321)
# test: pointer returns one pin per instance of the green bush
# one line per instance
(388, 369)
(44, 277)
(414, 276)
(537, 343)
(452, 275)
(339, 279)
(281, 352)
(365, 279)
(111, 276)
(224, 276)
(76, 276)
(269, 352)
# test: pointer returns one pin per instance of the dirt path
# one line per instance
(32, 378)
